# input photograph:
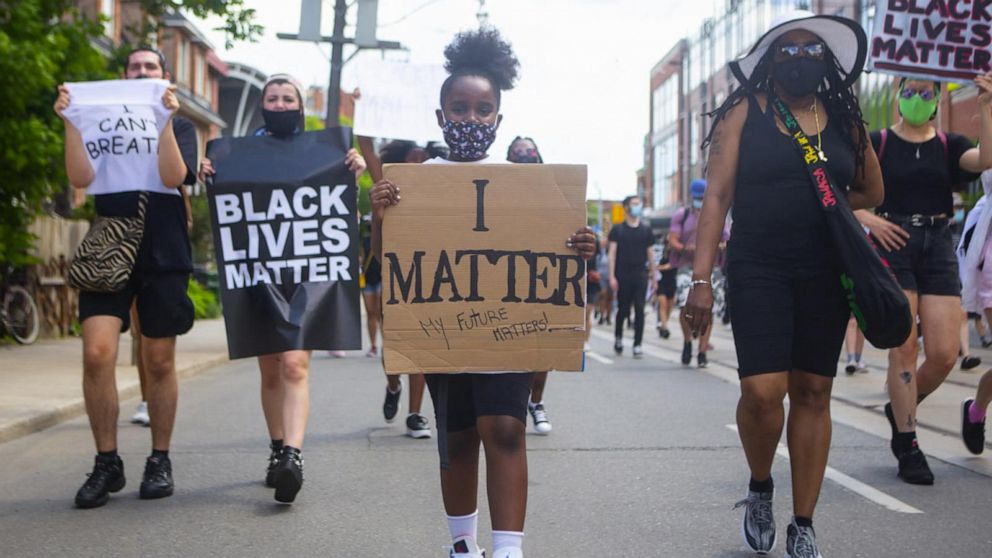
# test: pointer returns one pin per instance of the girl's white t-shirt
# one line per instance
(120, 122)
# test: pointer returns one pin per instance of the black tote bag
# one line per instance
(877, 302)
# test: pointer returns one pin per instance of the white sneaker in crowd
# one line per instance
(540, 417)
(509, 553)
(141, 415)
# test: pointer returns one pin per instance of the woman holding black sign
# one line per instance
(490, 409)
(790, 312)
(285, 375)
(921, 166)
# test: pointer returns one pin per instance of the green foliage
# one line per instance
(205, 305)
(201, 237)
(239, 21)
(312, 123)
(39, 49)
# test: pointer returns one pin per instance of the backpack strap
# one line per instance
(884, 133)
(943, 141)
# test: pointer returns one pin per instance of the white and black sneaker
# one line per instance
(542, 424)
(758, 525)
(637, 352)
(417, 426)
(800, 542)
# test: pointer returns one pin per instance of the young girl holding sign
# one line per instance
(921, 166)
(285, 375)
(490, 409)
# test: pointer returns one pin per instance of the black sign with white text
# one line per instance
(284, 218)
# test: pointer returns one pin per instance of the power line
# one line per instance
(408, 14)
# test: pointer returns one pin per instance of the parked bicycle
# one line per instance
(18, 313)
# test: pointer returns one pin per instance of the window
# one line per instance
(665, 103)
(108, 10)
(182, 61)
(200, 75)
(665, 168)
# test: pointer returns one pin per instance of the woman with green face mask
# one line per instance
(921, 167)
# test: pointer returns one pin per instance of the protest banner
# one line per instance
(944, 40)
(476, 274)
(398, 100)
(285, 228)
(120, 122)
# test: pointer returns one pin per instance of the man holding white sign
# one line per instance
(121, 146)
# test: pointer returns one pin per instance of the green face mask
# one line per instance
(916, 111)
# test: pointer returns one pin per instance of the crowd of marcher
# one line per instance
(773, 270)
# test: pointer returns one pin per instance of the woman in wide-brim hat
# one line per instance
(790, 313)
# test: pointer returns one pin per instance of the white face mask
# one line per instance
(697, 204)
(635, 210)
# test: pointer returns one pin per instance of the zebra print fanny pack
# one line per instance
(105, 258)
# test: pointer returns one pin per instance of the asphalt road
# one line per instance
(641, 463)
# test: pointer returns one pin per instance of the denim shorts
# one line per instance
(926, 264)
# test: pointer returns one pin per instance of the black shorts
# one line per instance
(475, 395)
(164, 308)
(927, 263)
(785, 322)
(667, 283)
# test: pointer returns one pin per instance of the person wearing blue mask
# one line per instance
(682, 242)
(631, 246)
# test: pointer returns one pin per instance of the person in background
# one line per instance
(682, 239)
(524, 150)
(854, 343)
(631, 247)
(417, 425)
(922, 166)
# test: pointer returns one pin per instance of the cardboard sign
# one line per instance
(398, 100)
(284, 216)
(120, 122)
(476, 275)
(945, 40)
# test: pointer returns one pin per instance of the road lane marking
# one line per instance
(854, 485)
(598, 357)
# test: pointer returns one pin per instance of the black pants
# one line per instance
(632, 290)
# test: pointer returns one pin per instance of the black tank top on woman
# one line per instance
(778, 222)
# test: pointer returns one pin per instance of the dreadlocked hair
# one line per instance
(481, 53)
(840, 101)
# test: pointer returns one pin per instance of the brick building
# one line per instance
(693, 79)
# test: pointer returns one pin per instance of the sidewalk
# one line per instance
(41, 384)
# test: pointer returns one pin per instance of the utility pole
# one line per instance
(310, 31)
(337, 60)
(482, 15)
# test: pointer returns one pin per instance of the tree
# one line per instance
(44, 43)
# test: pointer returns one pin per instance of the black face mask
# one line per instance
(800, 77)
(281, 123)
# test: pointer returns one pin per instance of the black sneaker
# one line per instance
(973, 433)
(664, 333)
(969, 362)
(391, 405)
(986, 342)
(851, 368)
(892, 424)
(417, 426)
(107, 477)
(157, 480)
(702, 361)
(618, 346)
(288, 475)
(687, 353)
(913, 468)
(270, 479)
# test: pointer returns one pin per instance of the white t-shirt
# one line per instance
(120, 122)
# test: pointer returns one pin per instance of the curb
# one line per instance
(49, 418)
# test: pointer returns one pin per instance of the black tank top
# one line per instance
(778, 222)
